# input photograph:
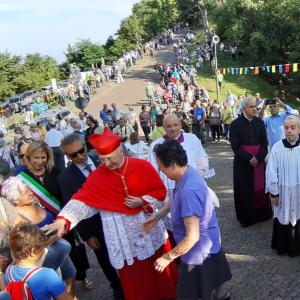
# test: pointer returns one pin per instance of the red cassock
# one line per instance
(105, 190)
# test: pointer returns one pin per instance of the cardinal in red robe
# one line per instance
(125, 191)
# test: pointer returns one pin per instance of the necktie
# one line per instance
(88, 168)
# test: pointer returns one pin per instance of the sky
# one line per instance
(48, 26)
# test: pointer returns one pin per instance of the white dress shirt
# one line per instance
(53, 138)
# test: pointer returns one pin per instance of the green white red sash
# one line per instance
(42, 195)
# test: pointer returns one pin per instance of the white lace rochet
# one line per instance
(124, 236)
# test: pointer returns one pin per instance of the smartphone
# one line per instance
(270, 101)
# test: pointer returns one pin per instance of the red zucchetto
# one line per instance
(106, 142)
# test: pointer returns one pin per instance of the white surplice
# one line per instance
(124, 235)
(283, 179)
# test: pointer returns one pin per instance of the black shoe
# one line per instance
(225, 297)
(117, 295)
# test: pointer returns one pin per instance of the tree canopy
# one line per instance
(265, 31)
(20, 74)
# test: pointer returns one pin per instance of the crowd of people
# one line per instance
(144, 205)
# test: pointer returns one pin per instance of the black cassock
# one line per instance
(250, 208)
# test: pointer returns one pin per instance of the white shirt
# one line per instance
(67, 130)
(230, 100)
(83, 124)
(138, 149)
(53, 138)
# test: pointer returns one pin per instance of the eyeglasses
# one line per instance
(74, 154)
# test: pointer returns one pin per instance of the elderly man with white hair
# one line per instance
(250, 146)
(197, 157)
(283, 184)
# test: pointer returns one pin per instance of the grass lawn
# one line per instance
(238, 84)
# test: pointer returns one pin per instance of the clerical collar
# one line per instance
(180, 138)
(290, 145)
(247, 117)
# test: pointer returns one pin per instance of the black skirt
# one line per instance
(286, 238)
(198, 281)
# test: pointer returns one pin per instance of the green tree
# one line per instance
(35, 72)
(9, 69)
(85, 53)
(120, 47)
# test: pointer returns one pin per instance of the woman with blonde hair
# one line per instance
(41, 175)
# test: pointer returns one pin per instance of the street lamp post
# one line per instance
(216, 40)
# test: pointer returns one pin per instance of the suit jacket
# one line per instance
(71, 180)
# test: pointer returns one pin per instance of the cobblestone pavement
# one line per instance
(258, 273)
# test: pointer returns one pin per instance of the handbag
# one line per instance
(78, 253)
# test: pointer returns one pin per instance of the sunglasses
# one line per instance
(74, 154)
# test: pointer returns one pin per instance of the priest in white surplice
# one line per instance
(197, 157)
(283, 184)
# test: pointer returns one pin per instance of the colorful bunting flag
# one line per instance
(295, 67)
(287, 68)
(273, 69)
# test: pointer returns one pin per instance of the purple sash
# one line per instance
(180, 138)
(259, 178)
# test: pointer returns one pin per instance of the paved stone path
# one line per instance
(258, 273)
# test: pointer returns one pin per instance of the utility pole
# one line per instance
(216, 40)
